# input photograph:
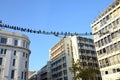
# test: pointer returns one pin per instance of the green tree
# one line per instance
(79, 72)
(76, 69)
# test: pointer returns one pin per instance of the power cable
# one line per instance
(55, 33)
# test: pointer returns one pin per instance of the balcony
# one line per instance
(87, 48)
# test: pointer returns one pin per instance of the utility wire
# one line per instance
(55, 33)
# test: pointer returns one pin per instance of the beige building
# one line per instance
(31, 75)
(59, 57)
(68, 49)
(106, 30)
(14, 56)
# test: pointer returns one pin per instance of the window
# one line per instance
(26, 64)
(64, 65)
(60, 74)
(23, 43)
(106, 72)
(14, 53)
(22, 75)
(65, 72)
(23, 54)
(114, 70)
(103, 21)
(118, 69)
(105, 39)
(107, 62)
(113, 35)
(25, 75)
(12, 74)
(1, 61)
(27, 45)
(102, 42)
(15, 42)
(114, 23)
(13, 62)
(107, 17)
(101, 52)
(26, 55)
(117, 21)
(109, 26)
(99, 44)
(3, 40)
(109, 39)
(65, 78)
(3, 51)
(104, 50)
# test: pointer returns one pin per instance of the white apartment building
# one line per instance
(68, 49)
(14, 56)
(106, 30)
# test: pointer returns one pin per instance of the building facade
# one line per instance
(106, 31)
(71, 49)
(14, 56)
(45, 72)
(59, 59)
(32, 75)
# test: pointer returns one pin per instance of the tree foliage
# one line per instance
(79, 72)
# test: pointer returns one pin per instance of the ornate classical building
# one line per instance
(14, 56)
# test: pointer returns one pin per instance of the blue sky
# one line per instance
(50, 15)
